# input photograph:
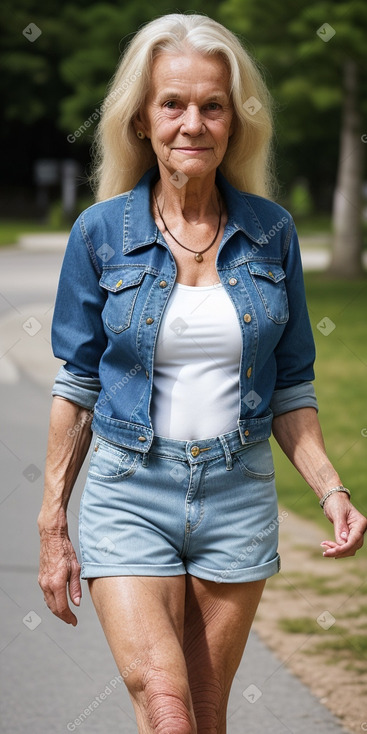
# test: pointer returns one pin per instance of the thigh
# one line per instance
(143, 619)
(218, 618)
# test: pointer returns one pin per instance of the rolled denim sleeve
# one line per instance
(77, 334)
(292, 398)
(295, 351)
(77, 388)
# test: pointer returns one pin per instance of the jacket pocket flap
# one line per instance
(271, 271)
(115, 279)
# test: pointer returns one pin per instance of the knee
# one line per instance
(165, 703)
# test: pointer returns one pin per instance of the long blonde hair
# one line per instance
(121, 158)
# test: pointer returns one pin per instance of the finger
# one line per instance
(62, 609)
(75, 588)
(334, 550)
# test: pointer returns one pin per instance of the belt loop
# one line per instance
(227, 453)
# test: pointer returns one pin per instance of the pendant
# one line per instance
(198, 257)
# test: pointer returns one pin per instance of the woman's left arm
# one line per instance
(299, 435)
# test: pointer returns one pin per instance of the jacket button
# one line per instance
(232, 281)
(118, 284)
(147, 374)
(163, 284)
(247, 318)
(149, 320)
(247, 433)
(271, 274)
(141, 438)
(195, 451)
(249, 372)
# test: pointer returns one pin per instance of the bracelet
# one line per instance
(339, 488)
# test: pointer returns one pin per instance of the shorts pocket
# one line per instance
(112, 462)
(256, 461)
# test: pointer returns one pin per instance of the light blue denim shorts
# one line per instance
(207, 507)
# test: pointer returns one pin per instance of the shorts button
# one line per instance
(149, 320)
(141, 438)
(163, 284)
(195, 451)
(247, 433)
(247, 318)
(232, 281)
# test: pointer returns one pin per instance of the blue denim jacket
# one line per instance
(117, 276)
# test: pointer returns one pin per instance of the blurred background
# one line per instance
(57, 59)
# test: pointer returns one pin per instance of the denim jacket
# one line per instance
(116, 279)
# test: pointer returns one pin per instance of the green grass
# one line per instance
(350, 645)
(11, 230)
(341, 380)
(305, 626)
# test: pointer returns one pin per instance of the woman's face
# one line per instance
(188, 113)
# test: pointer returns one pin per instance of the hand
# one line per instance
(349, 527)
(59, 568)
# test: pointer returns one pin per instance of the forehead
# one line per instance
(189, 70)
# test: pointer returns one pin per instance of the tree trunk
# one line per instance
(346, 259)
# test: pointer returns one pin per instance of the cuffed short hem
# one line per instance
(97, 570)
(254, 573)
(231, 575)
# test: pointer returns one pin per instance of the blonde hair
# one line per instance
(121, 158)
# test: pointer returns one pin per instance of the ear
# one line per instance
(140, 123)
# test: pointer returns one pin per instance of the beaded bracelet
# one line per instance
(339, 488)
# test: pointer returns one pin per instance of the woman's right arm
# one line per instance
(68, 443)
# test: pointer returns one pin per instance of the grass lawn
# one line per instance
(341, 388)
(11, 230)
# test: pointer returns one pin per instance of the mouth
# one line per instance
(192, 150)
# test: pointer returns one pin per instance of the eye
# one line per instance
(171, 104)
(213, 106)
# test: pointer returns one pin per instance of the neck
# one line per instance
(194, 201)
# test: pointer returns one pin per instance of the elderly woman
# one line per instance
(182, 321)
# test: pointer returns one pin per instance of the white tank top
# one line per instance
(196, 371)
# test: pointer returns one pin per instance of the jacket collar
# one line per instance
(140, 228)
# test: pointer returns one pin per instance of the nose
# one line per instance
(192, 123)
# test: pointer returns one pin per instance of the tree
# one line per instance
(317, 55)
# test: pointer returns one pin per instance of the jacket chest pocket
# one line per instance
(269, 281)
(122, 286)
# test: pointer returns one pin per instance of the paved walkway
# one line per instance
(55, 678)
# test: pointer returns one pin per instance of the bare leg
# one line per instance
(218, 618)
(143, 618)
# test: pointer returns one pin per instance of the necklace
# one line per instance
(198, 255)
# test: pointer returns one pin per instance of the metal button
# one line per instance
(118, 284)
(249, 372)
(270, 273)
(149, 320)
(147, 374)
(247, 318)
(232, 281)
(141, 438)
(247, 433)
(163, 284)
(195, 451)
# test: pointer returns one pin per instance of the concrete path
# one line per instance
(55, 678)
